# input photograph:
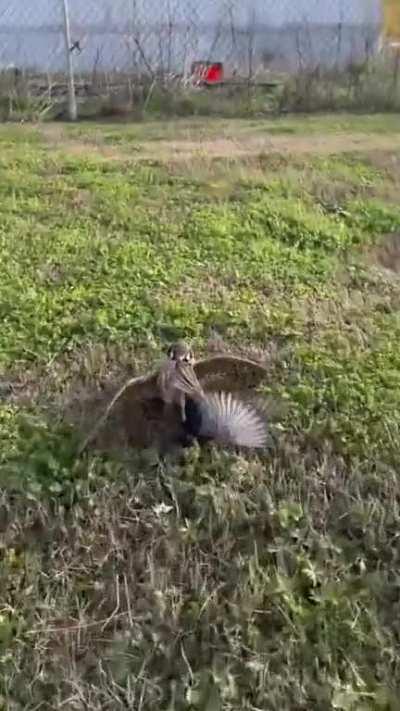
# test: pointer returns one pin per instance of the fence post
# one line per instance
(72, 107)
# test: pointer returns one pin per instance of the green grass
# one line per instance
(219, 582)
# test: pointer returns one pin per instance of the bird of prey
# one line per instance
(187, 399)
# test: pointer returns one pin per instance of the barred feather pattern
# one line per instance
(229, 421)
(185, 379)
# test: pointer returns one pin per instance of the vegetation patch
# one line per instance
(211, 581)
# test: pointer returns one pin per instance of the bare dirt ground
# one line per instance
(249, 146)
(244, 145)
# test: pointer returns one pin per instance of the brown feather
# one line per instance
(225, 372)
(150, 423)
(135, 391)
(186, 380)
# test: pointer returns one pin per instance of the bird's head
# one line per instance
(181, 352)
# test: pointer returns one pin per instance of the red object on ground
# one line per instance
(210, 72)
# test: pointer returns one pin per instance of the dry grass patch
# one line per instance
(386, 253)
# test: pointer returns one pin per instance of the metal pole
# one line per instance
(72, 107)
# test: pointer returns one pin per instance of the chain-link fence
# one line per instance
(163, 38)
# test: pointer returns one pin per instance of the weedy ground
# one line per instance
(221, 581)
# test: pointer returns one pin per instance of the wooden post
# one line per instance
(72, 107)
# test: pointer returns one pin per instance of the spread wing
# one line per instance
(225, 372)
(138, 397)
(150, 423)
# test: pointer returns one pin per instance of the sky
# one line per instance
(314, 11)
(275, 12)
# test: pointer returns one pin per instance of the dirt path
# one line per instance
(242, 145)
(249, 146)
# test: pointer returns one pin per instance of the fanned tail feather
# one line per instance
(229, 421)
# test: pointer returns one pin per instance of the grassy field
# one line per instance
(220, 582)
